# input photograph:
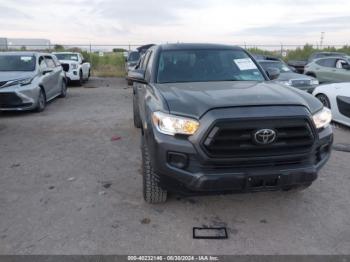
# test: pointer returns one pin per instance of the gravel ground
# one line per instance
(70, 183)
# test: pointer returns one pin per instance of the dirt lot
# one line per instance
(70, 183)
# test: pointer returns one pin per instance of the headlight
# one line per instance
(287, 83)
(322, 118)
(171, 125)
(314, 82)
(74, 66)
(25, 82)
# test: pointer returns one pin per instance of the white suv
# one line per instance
(77, 69)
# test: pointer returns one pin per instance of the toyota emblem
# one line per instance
(265, 136)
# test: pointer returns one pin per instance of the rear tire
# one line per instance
(324, 100)
(137, 119)
(41, 102)
(152, 192)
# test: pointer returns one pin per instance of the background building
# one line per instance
(3, 43)
(24, 44)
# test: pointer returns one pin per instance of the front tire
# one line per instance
(152, 192)
(324, 100)
(137, 119)
(81, 80)
(63, 89)
(41, 102)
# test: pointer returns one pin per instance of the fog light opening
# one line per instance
(178, 160)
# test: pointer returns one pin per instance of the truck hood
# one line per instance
(14, 75)
(68, 62)
(195, 99)
(291, 75)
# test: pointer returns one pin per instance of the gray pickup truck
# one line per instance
(212, 121)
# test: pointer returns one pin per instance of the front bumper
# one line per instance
(201, 174)
(309, 88)
(17, 98)
(73, 75)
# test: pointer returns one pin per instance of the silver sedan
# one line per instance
(28, 80)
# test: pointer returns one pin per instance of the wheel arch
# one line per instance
(312, 74)
(43, 90)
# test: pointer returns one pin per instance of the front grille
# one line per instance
(300, 82)
(344, 105)
(235, 138)
(3, 83)
(9, 100)
(65, 67)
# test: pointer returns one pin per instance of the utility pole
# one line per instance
(321, 40)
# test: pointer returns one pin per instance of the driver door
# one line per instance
(46, 79)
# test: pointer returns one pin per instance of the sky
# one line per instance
(251, 22)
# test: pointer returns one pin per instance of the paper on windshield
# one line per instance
(245, 64)
(26, 58)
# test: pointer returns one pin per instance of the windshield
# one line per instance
(134, 57)
(206, 65)
(17, 63)
(279, 65)
(72, 57)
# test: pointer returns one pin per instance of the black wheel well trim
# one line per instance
(325, 96)
(310, 74)
(43, 90)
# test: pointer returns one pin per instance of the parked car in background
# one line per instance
(337, 98)
(318, 55)
(77, 68)
(288, 77)
(299, 65)
(131, 62)
(143, 49)
(329, 69)
(212, 121)
(29, 80)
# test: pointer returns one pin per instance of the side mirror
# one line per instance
(83, 61)
(293, 69)
(346, 66)
(65, 67)
(273, 73)
(137, 75)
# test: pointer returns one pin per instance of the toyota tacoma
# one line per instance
(213, 121)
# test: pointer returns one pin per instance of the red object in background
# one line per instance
(115, 138)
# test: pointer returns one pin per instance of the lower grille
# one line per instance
(235, 138)
(300, 82)
(10, 100)
(344, 105)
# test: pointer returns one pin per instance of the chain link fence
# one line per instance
(109, 60)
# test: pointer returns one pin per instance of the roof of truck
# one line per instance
(183, 46)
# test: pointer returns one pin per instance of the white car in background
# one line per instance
(76, 67)
(337, 98)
